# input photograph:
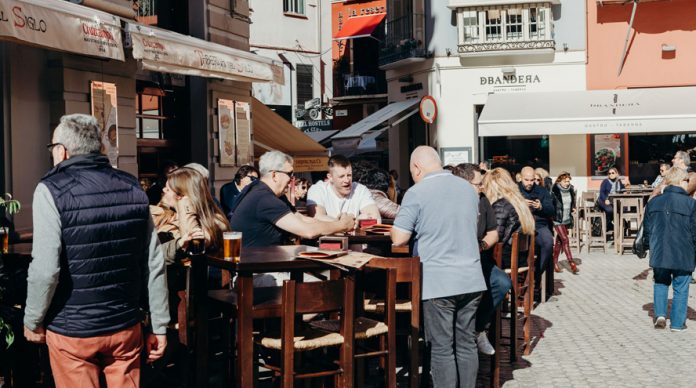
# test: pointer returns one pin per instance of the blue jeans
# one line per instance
(680, 285)
(449, 328)
(498, 284)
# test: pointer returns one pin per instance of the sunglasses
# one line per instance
(290, 174)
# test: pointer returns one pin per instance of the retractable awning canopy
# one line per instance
(359, 26)
(61, 25)
(170, 52)
(272, 132)
(651, 110)
(385, 114)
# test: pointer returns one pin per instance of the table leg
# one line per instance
(616, 204)
(245, 340)
(198, 298)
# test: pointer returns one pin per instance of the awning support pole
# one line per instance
(628, 34)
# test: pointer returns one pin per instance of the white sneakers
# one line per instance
(660, 323)
(484, 346)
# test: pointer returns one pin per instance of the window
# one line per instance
(537, 23)
(305, 83)
(471, 26)
(513, 24)
(149, 117)
(294, 6)
(493, 25)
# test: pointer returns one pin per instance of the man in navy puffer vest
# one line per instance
(95, 255)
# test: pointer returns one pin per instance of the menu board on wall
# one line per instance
(607, 152)
(245, 151)
(105, 109)
(226, 131)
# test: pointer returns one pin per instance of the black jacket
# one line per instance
(547, 212)
(104, 216)
(558, 202)
(670, 228)
(507, 220)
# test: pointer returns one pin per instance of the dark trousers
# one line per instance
(544, 249)
(498, 283)
(449, 328)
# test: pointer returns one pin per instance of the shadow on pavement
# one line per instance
(643, 275)
(690, 313)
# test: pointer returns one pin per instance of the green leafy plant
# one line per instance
(11, 206)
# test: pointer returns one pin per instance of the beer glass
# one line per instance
(5, 235)
(232, 246)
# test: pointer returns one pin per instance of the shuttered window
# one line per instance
(305, 82)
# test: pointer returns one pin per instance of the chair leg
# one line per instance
(513, 325)
(413, 359)
(495, 359)
(526, 329)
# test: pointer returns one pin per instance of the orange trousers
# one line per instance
(77, 362)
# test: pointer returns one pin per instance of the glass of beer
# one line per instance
(232, 246)
(5, 235)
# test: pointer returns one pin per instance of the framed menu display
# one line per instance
(245, 150)
(607, 151)
(226, 131)
(104, 103)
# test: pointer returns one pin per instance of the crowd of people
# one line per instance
(99, 240)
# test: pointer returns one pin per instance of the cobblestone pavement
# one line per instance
(597, 332)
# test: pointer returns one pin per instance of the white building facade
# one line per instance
(472, 49)
(298, 33)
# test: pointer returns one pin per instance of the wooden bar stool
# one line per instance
(589, 214)
(630, 217)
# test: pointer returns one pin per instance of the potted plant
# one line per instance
(8, 206)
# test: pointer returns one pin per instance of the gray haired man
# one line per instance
(95, 252)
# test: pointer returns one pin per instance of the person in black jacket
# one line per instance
(564, 201)
(670, 229)
(541, 205)
(229, 191)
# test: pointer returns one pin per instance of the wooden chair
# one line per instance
(408, 274)
(296, 336)
(588, 201)
(575, 233)
(494, 331)
(630, 216)
(522, 292)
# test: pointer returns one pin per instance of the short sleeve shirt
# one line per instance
(486, 217)
(256, 216)
(323, 194)
(442, 210)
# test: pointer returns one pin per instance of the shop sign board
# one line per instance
(310, 163)
(170, 52)
(61, 25)
(104, 103)
(314, 125)
(226, 132)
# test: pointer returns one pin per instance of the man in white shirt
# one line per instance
(339, 194)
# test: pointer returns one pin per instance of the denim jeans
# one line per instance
(498, 284)
(449, 329)
(680, 281)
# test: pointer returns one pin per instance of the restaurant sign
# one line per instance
(62, 25)
(310, 163)
(169, 52)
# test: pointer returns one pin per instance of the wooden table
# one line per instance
(253, 260)
(616, 202)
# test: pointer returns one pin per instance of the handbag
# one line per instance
(640, 246)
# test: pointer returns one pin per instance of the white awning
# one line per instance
(170, 52)
(387, 113)
(595, 111)
(61, 25)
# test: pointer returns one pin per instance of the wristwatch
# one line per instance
(483, 245)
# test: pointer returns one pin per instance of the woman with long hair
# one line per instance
(564, 200)
(187, 211)
(542, 178)
(511, 210)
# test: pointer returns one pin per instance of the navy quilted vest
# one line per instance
(103, 215)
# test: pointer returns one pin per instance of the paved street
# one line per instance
(598, 331)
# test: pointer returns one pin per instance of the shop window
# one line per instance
(294, 6)
(149, 116)
(305, 83)
(513, 153)
(646, 152)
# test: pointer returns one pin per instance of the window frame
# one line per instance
(295, 7)
(541, 12)
(140, 117)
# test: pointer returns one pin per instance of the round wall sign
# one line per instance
(428, 109)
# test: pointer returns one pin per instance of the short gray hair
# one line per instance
(273, 160)
(684, 156)
(79, 134)
(199, 168)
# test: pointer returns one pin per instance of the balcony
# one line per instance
(403, 42)
(505, 48)
(361, 85)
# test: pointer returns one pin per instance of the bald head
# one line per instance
(527, 178)
(424, 160)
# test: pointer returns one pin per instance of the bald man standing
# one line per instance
(541, 204)
(442, 210)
